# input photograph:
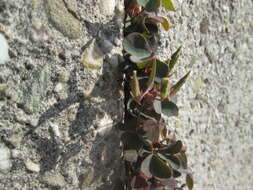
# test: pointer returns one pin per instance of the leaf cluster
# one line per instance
(154, 158)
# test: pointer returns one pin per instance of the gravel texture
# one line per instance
(56, 115)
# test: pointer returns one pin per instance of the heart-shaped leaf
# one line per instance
(159, 168)
(138, 47)
(131, 141)
(183, 160)
(173, 160)
(169, 109)
(147, 144)
(175, 88)
(189, 181)
(158, 19)
(171, 149)
(168, 5)
(152, 165)
(150, 5)
(151, 20)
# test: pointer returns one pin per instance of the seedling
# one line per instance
(154, 158)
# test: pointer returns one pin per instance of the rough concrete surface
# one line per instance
(56, 115)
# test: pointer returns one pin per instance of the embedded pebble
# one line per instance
(55, 129)
(54, 179)
(15, 153)
(11, 94)
(15, 140)
(64, 76)
(4, 48)
(3, 88)
(58, 88)
(22, 118)
(107, 6)
(31, 166)
(88, 178)
(92, 57)
(5, 163)
(62, 19)
(198, 84)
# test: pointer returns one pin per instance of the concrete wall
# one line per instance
(56, 115)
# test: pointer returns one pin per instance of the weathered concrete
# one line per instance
(55, 112)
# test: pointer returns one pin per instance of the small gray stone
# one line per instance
(4, 55)
(64, 76)
(5, 163)
(87, 178)
(31, 166)
(53, 179)
(15, 140)
(15, 153)
(204, 25)
(107, 6)
(63, 20)
(58, 88)
(3, 88)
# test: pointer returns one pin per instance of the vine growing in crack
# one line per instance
(154, 159)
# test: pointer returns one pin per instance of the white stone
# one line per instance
(107, 6)
(30, 165)
(92, 57)
(5, 163)
(58, 88)
(55, 129)
(4, 55)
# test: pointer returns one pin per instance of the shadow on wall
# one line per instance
(55, 154)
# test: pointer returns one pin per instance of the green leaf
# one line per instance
(165, 88)
(183, 159)
(168, 5)
(147, 144)
(175, 88)
(169, 109)
(162, 70)
(119, 185)
(174, 161)
(138, 47)
(165, 24)
(131, 141)
(151, 17)
(151, 78)
(189, 181)
(149, 5)
(174, 59)
(135, 86)
(159, 168)
(142, 65)
(171, 149)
